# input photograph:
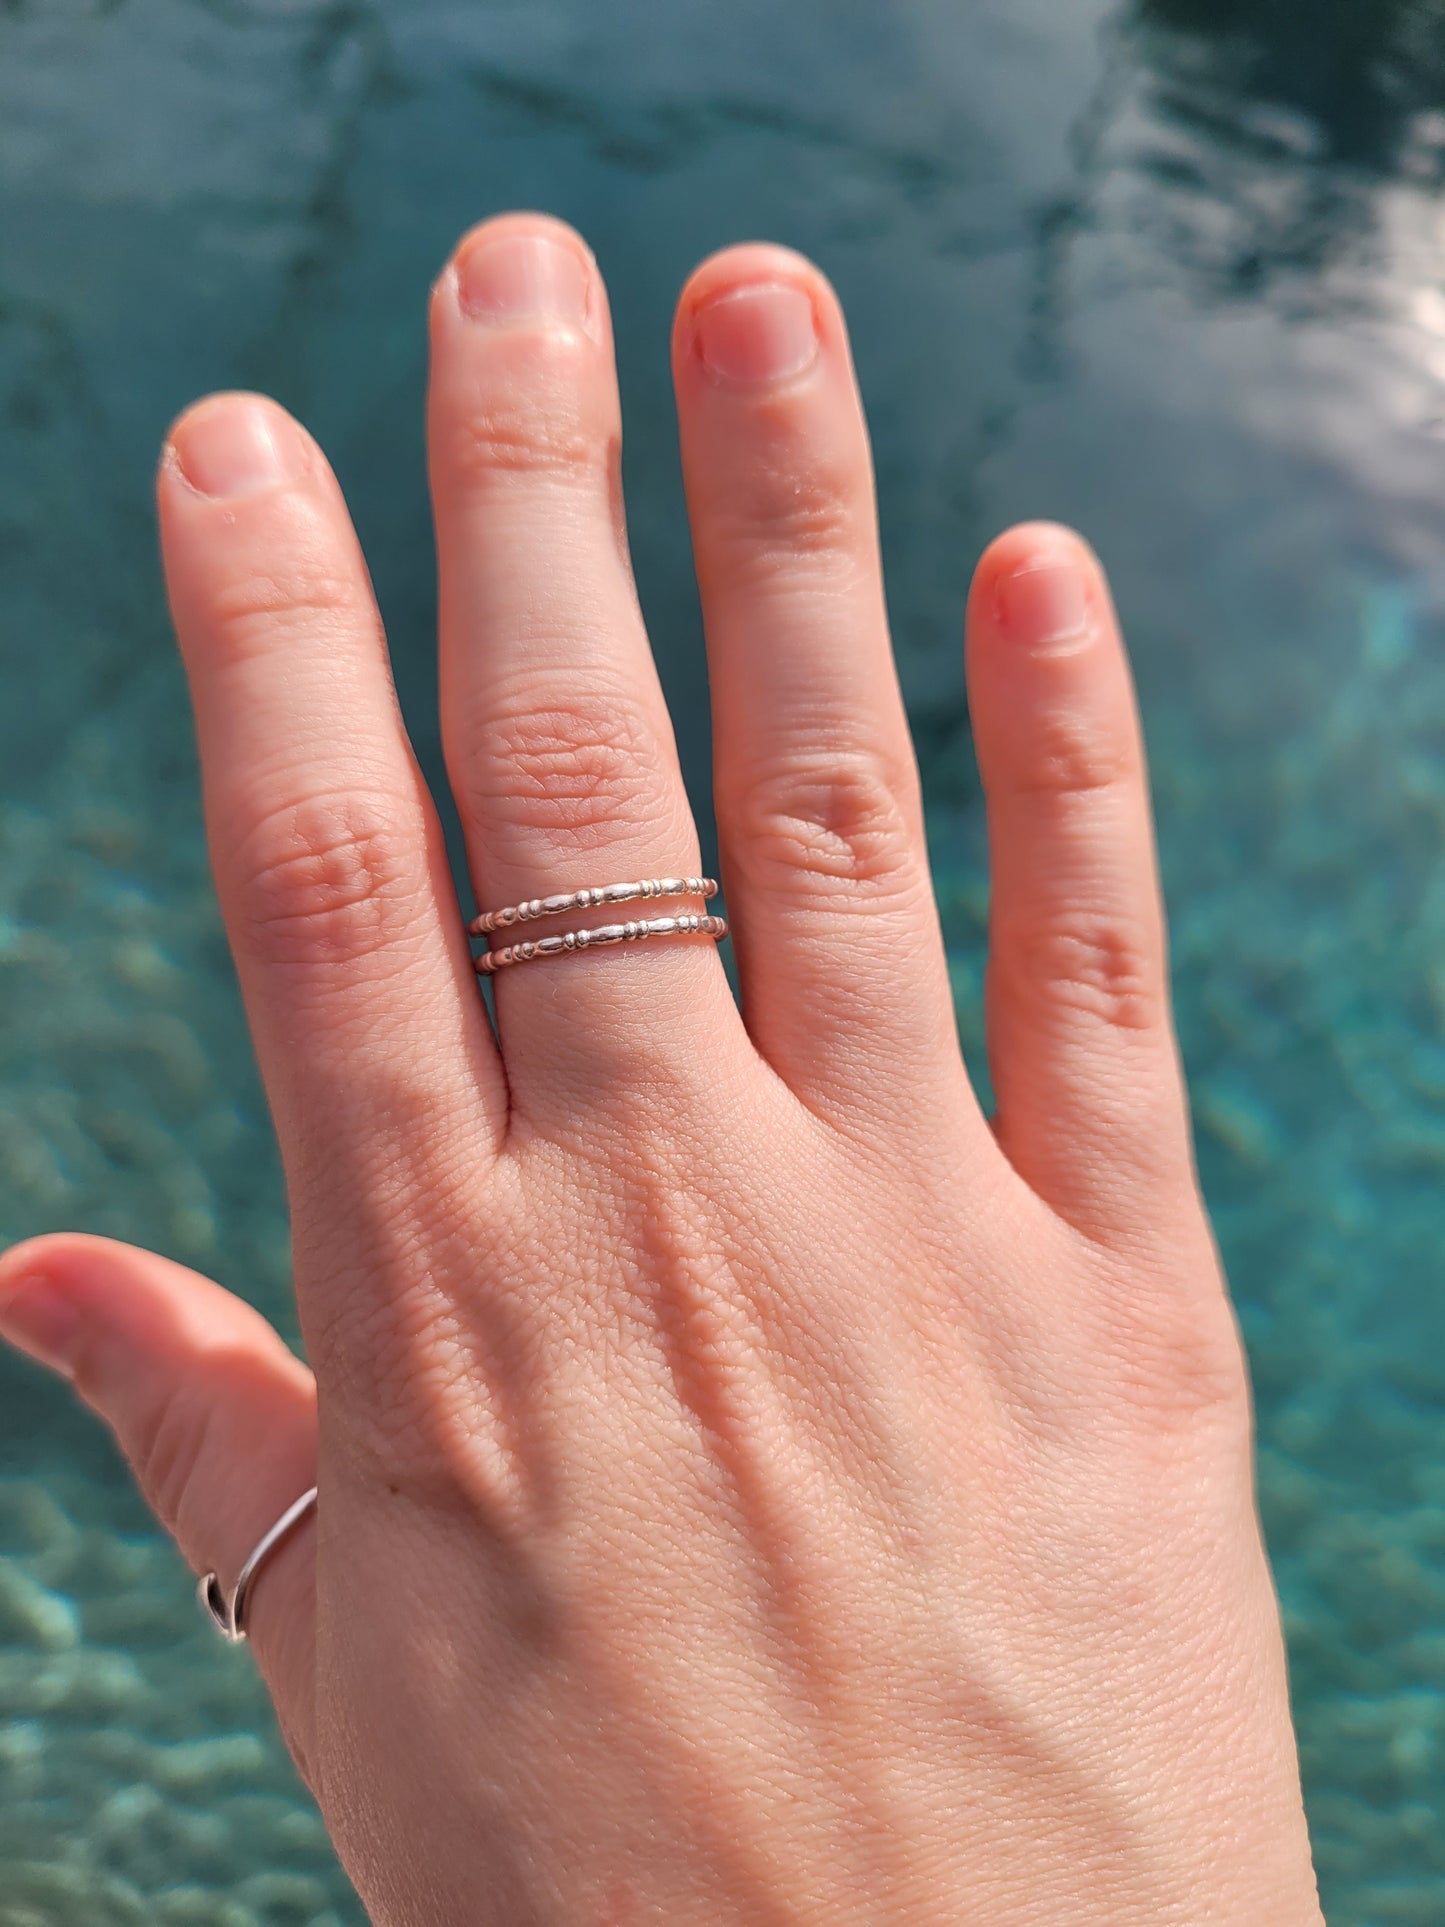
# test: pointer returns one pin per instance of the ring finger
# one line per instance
(558, 742)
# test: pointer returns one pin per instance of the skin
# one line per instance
(756, 1487)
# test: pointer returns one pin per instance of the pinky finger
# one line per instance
(1092, 1110)
(215, 1414)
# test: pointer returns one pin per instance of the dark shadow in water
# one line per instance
(1280, 122)
(1360, 71)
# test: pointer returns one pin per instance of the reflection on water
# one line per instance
(1171, 270)
(1279, 126)
(1357, 76)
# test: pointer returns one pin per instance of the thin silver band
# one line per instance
(229, 1617)
(492, 961)
(535, 907)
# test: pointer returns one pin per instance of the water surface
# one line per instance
(1171, 270)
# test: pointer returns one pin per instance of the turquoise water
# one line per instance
(1173, 270)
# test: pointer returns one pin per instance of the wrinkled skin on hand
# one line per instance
(755, 1487)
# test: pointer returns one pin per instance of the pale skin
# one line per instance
(756, 1487)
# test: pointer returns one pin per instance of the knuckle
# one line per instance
(255, 609)
(836, 822)
(574, 770)
(327, 879)
(785, 515)
(1105, 967)
(539, 416)
(1069, 754)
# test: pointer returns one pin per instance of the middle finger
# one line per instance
(558, 741)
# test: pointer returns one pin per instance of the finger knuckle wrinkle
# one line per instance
(252, 611)
(1070, 755)
(785, 516)
(1102, 967)
(540, 428)
(568, 770)
(838, 821)
(330, 879)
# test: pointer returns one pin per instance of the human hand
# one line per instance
(753, 1488)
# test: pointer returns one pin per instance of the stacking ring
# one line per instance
(536, 907)
(492, 961)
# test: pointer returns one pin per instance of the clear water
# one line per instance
(1174, 270)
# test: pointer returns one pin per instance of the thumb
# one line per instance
(215, 1414)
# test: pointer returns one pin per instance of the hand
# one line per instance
(754, 1489)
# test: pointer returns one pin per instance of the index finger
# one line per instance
(328, 854)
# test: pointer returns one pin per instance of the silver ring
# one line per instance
(491, 961)
(535, 907)
(229, 1616)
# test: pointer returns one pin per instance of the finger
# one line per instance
(214, 1413)
(558, 742)
(841, 960)
(1081, 1045)
(328, 854)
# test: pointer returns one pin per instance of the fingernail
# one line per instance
(762, 334)
(236, 447)
(524, 277)
(34, 1316)
(1046, 605)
